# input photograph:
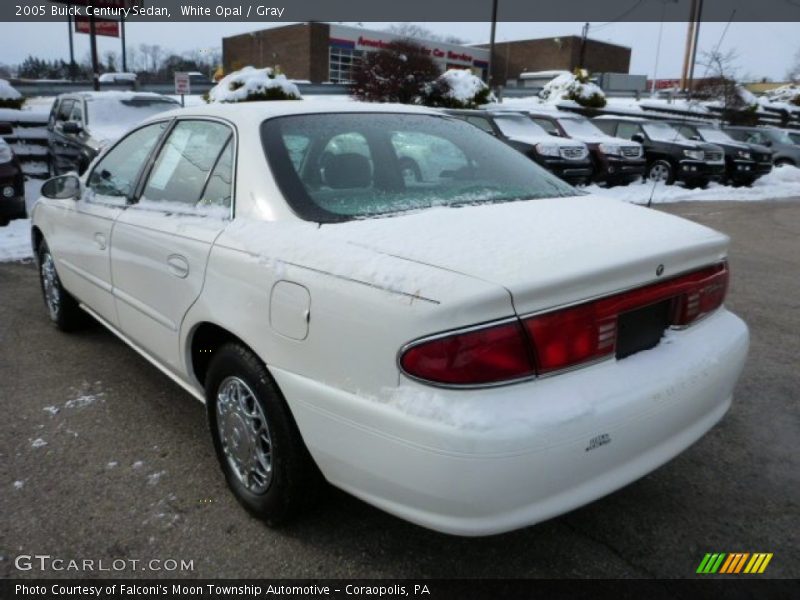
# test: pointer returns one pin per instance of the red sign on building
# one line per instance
(101, 26)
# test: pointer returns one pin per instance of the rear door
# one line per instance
(162, 242)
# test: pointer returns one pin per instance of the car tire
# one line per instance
(257, 442)
(63, 309)
(661, 170)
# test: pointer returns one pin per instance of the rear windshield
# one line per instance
(338, 167)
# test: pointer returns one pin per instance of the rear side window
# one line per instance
(185, 163)
(116, 174)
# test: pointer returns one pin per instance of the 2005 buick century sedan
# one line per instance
(471, 344)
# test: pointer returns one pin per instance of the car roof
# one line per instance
(256, 112)
(112, 95)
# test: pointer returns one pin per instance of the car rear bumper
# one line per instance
(481, 462)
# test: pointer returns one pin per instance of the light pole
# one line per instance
(489, 77)
(658, 45)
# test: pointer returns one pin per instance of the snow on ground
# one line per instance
(15, 241)
(780, 183)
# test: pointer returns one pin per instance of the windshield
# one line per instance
(338, 167)
(518, 126)
(714, 135)
(661, 132)
(109, 118)
(581, 127)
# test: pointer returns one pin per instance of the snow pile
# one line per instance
(575, 87)
(781, 183)
(789, 93)
(250, 84)
(9, 97)
(7, 92)
(15, 240)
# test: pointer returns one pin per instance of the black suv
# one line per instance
(84, 123)
(12, 182)
(566, 159)
(670, 156)
(744, 163)
(784, 150)
(616, 161)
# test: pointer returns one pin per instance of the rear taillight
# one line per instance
(488, 355)
(560, 339)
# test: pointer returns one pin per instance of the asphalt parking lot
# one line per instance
(103, 457)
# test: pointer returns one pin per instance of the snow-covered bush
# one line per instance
(9, 97)
(250, 85)
(576, 87)
(457, 88)
(400, 72)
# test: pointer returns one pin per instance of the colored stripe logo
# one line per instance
(734, 563)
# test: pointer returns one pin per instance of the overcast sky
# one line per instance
(764, 49)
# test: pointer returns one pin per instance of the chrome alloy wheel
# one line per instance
(52, 292)
(244, 434)
(659, 172)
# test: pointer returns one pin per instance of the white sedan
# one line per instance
(474, 346)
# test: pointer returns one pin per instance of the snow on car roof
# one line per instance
(117, 95)
(256, 112)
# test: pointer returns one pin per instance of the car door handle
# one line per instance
(100, 240)
(178, 265)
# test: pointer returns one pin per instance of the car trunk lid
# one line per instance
(547, 253)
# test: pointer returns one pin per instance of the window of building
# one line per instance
(341, 61)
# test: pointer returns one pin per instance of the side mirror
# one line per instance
(63, 187)
(71, 127)
(696, 138)
(638, 137)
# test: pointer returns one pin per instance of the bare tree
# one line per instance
(720, 81)
(110, 59)
(418, 32)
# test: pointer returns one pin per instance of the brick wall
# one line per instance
(301, 50)
(512, 58)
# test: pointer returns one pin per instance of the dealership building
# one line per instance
(322, 52)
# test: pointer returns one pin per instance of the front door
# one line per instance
(83, 236)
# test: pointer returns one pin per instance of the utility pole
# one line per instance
(71, 50)
(584, 35)
(124, 53)
(489, 77)
(689, 39)
(93, 44)
(698, 18)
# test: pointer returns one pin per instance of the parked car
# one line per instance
(744, 163)
(474, 353)
(670, 156)
(784, 151)
(117, 77)
(569, 160)
(83, 123)
(615, 160)
(12, 182)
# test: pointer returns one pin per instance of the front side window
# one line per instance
(627, 130)
(185, 163)
(359, 165)
(116, 174)
(65, 109)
